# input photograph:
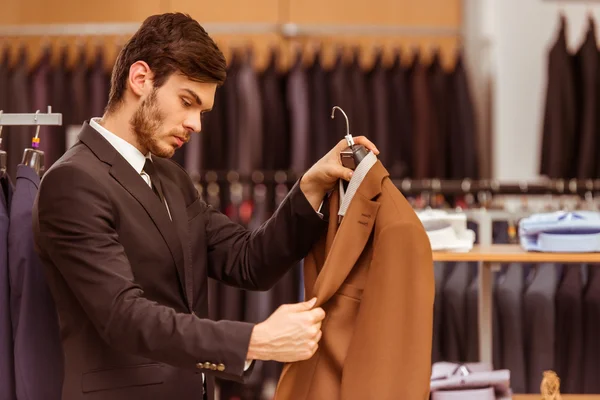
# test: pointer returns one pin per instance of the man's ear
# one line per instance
(140, 78)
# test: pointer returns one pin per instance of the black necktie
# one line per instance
(154, 179)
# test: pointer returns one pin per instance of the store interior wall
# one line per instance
(406, 13)
(520, 34)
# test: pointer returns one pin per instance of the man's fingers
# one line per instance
(338, 171)
(317, 314)
(367, 143)
(304, 306)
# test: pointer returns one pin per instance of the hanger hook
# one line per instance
(348, 136)
(37, 130)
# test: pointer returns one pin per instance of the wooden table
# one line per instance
(489, 257)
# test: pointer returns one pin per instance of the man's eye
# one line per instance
(186, 103)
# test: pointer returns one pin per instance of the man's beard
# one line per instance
(146, 123)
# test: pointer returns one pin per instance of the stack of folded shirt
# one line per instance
(561, 231)
(447, 231)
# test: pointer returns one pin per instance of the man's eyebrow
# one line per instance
(194, 95)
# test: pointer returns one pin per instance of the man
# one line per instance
(128, 245)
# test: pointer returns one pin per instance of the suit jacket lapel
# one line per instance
(349, 241)
(177, 207)
(131, 181)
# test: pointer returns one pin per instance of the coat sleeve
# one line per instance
(257, 259)
(390, 352)
(75, 232)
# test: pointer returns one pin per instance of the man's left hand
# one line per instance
(323, 175)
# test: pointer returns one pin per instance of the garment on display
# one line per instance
(447, 231)
(31, 361)
(373, 275)
(469, 381)
(571, 128)
(561, 231)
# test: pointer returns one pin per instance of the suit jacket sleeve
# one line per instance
(257, 259)
(75, 229)
(390, 352)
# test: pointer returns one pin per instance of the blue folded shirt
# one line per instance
(561, 231)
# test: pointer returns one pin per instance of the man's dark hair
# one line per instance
(168, 43)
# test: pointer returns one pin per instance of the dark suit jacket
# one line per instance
(378, 80)
(321, 105)
(400, 120)
(37, 348)
(424, 122)
(559, 117)
(591, 344)
(276, 143)
(7, 373)
(131, 286)
(569, 329)
(587, 63)
(462, 135)
(17, 138)
(539, 315)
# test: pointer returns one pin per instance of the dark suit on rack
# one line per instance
(463, 151)
(559, 128)
(60, 102)
(40, 96)
(276, 143)
(7, 371)
(454, 314)
(340, 95)
(509, 298)
(540, 315)
(378, 90)
(17, 138)
(424, 122)
(250, 113)
(298, 106)
(37, 347)
(400, 121)
(362, 122)
(438, 83)
(569, 329)
(320, 103)
(131, 285)
(587, 73)
(591, 344)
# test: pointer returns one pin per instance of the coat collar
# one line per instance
(173, 232)
(345, 243)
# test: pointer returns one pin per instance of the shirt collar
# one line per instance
(358, 176)
(129, 152)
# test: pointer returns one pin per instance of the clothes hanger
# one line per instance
(33, 157)
(354, 153)
(3, 154)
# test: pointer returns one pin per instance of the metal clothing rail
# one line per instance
(434, 186)
(37, 118)
(286, 29)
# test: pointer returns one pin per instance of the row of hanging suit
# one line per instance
(571, 127)
(545, 317)
(30, 349)
(419, 115)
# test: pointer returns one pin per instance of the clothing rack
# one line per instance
(37, 118)
(287, 30)
(437, 186)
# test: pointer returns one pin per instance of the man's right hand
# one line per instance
(291, 333)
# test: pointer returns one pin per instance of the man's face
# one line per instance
(165, 119)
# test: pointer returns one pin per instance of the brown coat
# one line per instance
(373, 275)
(130, 286)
